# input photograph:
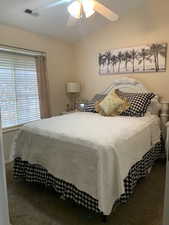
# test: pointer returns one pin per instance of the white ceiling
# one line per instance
(52, 22)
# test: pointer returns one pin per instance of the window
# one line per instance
(19, 99)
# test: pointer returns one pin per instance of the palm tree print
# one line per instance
(114, 61)
(133, 58)
(102, 61)
(144, 56)
(108, 59)
(127, 58)
(147, 58)
(155, 51)
(120, 58)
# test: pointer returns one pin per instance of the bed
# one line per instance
(94, 160)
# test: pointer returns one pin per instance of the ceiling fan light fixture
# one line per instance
(75, 9)
(88, 7)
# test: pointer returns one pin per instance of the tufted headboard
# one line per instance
(130, 85)
(127, 85)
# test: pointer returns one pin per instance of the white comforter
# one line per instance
(93, 152)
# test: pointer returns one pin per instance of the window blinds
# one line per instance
(19, 99)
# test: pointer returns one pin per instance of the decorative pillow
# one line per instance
(90, 105)
(112, 105)
(153, 108)
(139, 102)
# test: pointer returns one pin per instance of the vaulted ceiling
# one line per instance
(53, 21)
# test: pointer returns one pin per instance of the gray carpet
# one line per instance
(33, 205)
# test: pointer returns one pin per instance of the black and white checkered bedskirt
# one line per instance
(37, 174)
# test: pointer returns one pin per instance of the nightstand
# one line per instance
(164, 115)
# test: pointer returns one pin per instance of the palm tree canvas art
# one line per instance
(142, 59)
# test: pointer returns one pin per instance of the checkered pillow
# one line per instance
(90, 105)
(139, 103)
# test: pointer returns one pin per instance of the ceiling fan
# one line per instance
(78, 9)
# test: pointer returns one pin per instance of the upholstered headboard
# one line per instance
(126, 84)
(130, 85)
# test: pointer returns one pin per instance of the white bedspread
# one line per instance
(93, 152)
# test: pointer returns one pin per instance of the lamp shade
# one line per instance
(73, 87)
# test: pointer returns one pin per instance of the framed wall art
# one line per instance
(141, 59)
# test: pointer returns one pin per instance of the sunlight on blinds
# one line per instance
(19, 99)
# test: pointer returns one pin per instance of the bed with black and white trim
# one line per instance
(45, 148)
(32, 173)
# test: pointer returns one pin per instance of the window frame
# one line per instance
(24, 52)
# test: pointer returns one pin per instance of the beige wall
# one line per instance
(59, 56)
(146, 25)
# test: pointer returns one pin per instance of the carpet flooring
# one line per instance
(34, 205)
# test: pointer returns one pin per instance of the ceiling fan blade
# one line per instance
(72, 21)
(52, 4)
(104, 11)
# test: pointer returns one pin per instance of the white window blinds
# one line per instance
(19, 100)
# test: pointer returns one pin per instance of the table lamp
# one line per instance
(73, 89)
